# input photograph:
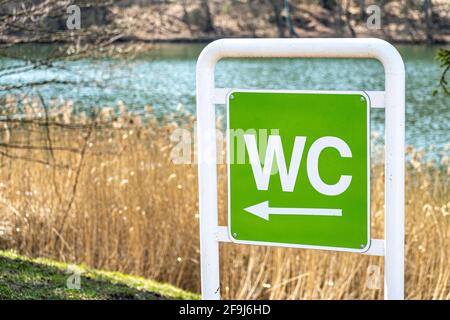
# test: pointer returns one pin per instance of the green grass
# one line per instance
(25, 278)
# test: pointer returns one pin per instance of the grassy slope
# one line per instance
(26, 278)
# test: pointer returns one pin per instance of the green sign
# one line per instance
(298, 168)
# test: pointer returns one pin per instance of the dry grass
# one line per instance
(106, 193)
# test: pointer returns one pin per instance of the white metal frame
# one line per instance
(277, 244)
(394, 103)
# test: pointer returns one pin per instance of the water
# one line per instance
(165, 77)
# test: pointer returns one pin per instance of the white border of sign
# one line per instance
(277, 244)
(394, 102)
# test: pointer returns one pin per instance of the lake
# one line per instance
(165, 78)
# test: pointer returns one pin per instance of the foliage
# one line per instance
(443, 56)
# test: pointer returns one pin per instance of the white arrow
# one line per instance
(263, 211)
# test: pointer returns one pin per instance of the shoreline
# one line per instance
(184, 40)
(132, 39)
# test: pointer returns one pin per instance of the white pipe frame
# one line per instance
(394, 103)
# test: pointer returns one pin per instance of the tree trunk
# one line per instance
(208, 26)
(291, 29)
(348, 19)
(362, 10)
(278, 18)
(338, 19)
(186, 17)
(428, 27)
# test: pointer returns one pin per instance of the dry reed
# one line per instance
(104, 192)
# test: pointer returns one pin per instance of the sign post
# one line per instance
(307, 185)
